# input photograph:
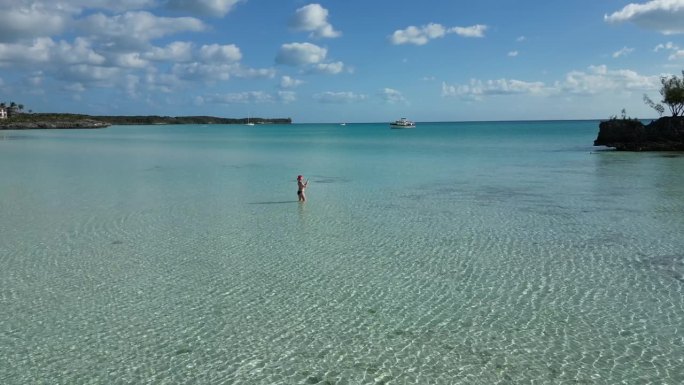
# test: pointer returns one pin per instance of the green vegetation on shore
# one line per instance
(58, 120)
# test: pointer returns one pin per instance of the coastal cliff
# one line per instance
(664, 134)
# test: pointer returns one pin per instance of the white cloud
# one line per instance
(78, 52)
(37, 52)
(521, 39)
(600, 79)
(513, 54)
(597, 80)
(239, 98)
(391, 96)
(339, 97)
(204, 7)
(297, 54)
(202, 72)
(664, 16)
(252, 73)
(675, 52)
(129, 60)
(212, 72)
(220, 53)
(422, 35)
(84, 73)
(472, 31)
(289, 82)
(286, 96)
(622, 52)
(77, 6)
(667, 46)
(30, 21)
(176, 52)
(418, 36)
(136, 29)
(478, 88)
(313, 18)
(329, 68)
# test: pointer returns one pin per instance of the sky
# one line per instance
(341, 61)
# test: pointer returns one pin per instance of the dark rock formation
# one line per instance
(664, 134)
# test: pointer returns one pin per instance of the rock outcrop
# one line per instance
(664, 134)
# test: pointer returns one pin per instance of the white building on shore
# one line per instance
(3, 113)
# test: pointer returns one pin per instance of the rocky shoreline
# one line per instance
(664, 134)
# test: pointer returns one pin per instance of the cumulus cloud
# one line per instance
(176, 52)
(286, 96)
(239, 98)
(328, 68)
(90, 74)
(30, 21)
(289, 82)
(204, 7)
(46, 50)
(418, 35)
(136, 29)
(478, 88)
(513, 54)
(212, 72)
(390, 95)
(472, 31)
(313, 18)
(596, 80)
(298, 54)
(664, 16)
(339, 97)
(600, 79)
(220, 53)
(422, 35)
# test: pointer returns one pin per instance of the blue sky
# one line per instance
(340, 61)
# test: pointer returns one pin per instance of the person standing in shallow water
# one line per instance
(301, 186)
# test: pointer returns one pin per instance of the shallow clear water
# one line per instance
(452, 253)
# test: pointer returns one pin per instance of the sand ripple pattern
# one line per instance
(176, 260)
(455, 294)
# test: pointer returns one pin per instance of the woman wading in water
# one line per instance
(301, 186)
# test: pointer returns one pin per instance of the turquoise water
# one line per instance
(452, 253)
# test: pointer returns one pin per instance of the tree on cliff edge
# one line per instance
(673, 95)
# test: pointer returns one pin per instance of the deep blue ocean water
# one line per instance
(452, 253)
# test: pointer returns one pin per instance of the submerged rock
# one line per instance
(664, 134)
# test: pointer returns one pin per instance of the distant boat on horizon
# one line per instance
(248, 122)
(402, 123)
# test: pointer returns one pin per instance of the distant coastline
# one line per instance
(77, 121)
